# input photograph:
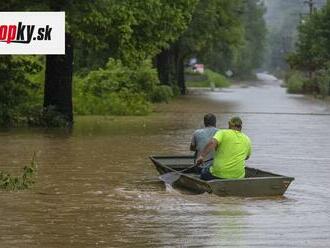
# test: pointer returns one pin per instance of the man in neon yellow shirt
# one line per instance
(232, 148)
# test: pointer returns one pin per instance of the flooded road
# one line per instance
(97, 188)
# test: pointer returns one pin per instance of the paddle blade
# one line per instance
(170, 178)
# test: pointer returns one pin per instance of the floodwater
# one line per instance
(97, 188)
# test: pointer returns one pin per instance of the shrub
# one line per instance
(295, 82)
(122, 103)
(16, 88)
(145, 78)
(217, 79)
(176, 90)
(323, 81)
(162, 93)
(119, 90)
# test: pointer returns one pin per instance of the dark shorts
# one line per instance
(206, 174)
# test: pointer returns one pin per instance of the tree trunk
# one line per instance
(180, 75)
(58, 82)
(179, 64)
(163, 66)
(170, 67)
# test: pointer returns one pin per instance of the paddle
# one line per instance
(171, 177)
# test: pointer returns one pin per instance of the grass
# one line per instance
(214, 79)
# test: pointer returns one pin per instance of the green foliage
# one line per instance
(251, 55)
(323, 81)
(241, 46)
(213, 80)
(295, 82)
(217, 79)
(282, 19)
(119, 90)
(156, 24)
(118, 103)
(24, 181)
(17, 91)
(310, 53)
(161, 93)
(129, 30)
(313, 52)
(214, 22)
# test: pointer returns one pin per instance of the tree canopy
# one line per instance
(312, 48)
(129, 36)
(243, 51)
(312, 53)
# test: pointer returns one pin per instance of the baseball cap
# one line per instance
(236, 121)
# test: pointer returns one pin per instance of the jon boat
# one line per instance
(257, 183)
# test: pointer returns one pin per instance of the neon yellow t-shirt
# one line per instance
(229, 158)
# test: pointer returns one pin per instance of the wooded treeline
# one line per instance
(282, 18)
(123, 55)
(310, 62)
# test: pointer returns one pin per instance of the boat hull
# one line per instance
(257, 183)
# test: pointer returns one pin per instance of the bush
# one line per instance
(217, 79)
(145, 78)
(323, 81)
(122, 103)
(119, 90)
(16, 88)
(295, 82)
(324, 86)
(162, 93)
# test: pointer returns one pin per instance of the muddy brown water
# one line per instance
(97, 188)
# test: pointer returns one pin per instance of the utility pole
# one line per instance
(310, 4)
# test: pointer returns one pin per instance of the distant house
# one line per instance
(198, 68)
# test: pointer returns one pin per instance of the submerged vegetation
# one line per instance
(24, 181)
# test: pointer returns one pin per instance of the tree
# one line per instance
(59, 68)
(312, 51)
(58, 78)
(213, 22)
(15, 86)
(14, 77)
(283, 18)
(251, 54)
(312, 54)
(128, 30)
(245, 51)
(137, 30)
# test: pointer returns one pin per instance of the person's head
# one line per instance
(235, 123)
(210, 120)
